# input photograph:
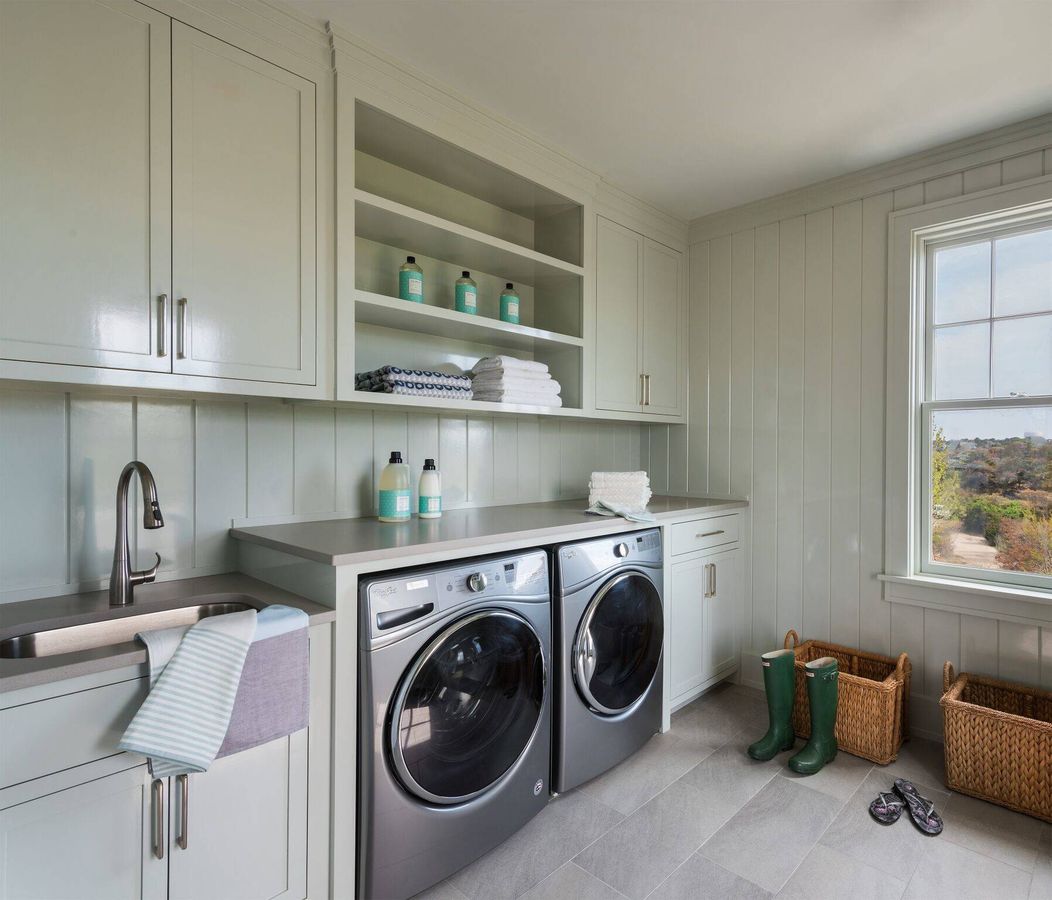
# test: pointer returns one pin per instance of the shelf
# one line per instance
(390, 312)
(482, 407)
(398, 225)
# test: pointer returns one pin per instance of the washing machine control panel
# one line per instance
(580, 562)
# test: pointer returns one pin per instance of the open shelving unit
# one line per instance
(419, 195)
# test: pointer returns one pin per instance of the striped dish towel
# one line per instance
(183, 721)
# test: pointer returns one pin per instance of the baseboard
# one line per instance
(750, 672)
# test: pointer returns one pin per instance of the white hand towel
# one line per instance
(525, 386)
(520, 398)
(508, 362)
(526, 376)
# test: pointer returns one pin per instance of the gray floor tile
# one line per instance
(840, 779)
(828, 873)
(727, 780)
(571, 881)
(721, 716)
(919, 760)
(992, 830)
(1041, 883)
(441, 891)
(948, 870)
(772, 833)
(894, 849)
(700, 878)
(643, 850)
(646, 773)
(569, 824)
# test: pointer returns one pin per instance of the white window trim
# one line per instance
(909, 233)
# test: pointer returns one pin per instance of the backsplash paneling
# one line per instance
(216, 461)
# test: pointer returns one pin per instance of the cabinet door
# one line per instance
(722, 611)
(85, 182)
(619, 285)
(93, 842)
(687, 625)
(663, 328)
(243, 172)
(245, 826)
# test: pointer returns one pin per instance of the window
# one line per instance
(984, 386)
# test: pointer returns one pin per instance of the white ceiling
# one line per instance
(701, 106)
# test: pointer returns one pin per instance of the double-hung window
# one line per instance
(968, 488)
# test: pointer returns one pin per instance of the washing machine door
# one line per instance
(468, 707)
(617, 648)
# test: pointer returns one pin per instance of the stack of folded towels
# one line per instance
(619, 490)
(506, 379)
(414, 383)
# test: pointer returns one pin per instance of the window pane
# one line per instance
(1023, 356)
(1023, 266)
(991, 489)
(962, 363)
(962, 283)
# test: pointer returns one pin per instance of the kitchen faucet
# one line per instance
(122, 578)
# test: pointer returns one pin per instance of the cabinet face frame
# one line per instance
(157, 242)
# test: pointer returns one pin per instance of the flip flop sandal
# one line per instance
(886, 809)
(922, 810)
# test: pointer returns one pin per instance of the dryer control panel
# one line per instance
(580, 562)
(395, 601)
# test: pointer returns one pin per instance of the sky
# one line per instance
(961, 424)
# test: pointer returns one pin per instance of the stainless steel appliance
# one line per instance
(455, 723)
(609, 636)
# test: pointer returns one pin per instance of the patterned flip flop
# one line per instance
(922, 810)
(886, 809)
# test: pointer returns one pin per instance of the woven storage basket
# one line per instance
(998, 741)
(872, 701)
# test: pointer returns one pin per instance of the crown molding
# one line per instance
(946, 159)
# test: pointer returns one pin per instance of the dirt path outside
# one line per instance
(972, 550)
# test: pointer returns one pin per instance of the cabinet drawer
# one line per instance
(687, 537)
(51, 735)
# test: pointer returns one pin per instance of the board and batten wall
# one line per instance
(787, 408)
(255, 462)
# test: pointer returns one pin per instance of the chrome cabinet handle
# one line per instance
(162, 339)
(180, 344)
(642, 389)
(709, 534)
(157, 794)
(714, 579)
(710, 579)
(646, 382)
(184, 813)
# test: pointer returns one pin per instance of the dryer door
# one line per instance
(468, 707)
(617, 649)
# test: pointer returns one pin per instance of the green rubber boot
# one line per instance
(821, 694)
(779, 681)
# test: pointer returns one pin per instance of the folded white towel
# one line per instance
(508, 362)
(549, 387)
(521, 398)
(604, 478)
(625, 490)
(526, 376)
(632, 514)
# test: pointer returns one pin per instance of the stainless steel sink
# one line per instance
(90, 635)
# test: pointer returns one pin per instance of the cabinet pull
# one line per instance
(183, 781)
(157, 794)
(714, 579)
(642, 389)
(708, 580)
(709, 534)
(162, 338)
(180, 343)
(646, 390)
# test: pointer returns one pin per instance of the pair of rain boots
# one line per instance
(779, 681)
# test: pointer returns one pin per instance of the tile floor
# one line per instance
(691, 816)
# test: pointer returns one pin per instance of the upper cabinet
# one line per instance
(85, 182)
(640, 324)
(243, 212)
(161, 191)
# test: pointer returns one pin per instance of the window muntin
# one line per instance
(986, 409)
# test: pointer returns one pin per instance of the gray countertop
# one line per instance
(367, 541)
(76, 609)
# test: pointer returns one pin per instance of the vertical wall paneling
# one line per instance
(719, 366)
(790, 423)
(818, 315)
(978, 646)
(453, 460)
(1018, 652)
(698, 382)
(659, 459)
(423, 443)
(505, 460)
(677, 459)
(764, 509)
(480, 460)
(33, 489)
(942, 641)
(874, 613)
(164, 441)
(315, 459)
(219, 481)
(577, 443)
(390, 433)
(1046, 658)
(529, 449)
(845, 424)
(270, 460)
(550, 455)
(355, 489)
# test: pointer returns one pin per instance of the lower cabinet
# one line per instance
(706, 597)
(236, 832)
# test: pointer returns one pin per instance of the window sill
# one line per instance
(992, 601)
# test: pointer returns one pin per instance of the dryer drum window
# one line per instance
(618, 645)
(468, 707)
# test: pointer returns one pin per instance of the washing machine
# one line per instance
(609, 636)
(454, 725)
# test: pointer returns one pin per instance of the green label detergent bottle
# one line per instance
(395, 490)
(509, 305)
(467, 294)
(411, 281)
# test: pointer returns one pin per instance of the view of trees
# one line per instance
(992, 502)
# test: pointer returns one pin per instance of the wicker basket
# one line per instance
(872, 702)
(998, 741)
